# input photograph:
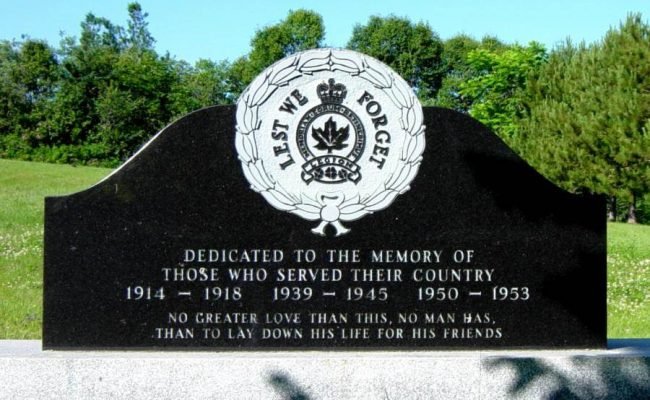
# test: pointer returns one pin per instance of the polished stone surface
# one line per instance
(536, 278)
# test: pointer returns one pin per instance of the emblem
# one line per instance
(329, 135)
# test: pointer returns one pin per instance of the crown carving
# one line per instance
(331, 92)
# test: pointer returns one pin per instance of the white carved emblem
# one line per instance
(329, 135)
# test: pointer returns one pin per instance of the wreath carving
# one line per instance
(330, 208)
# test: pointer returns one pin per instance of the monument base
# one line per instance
(623, 371)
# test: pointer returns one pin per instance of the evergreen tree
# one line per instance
(588, 124)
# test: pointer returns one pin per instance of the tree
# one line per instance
(36, 69)
(138, 35)
(457, 69)
(100, 32)
(12, 102)
(497, 80)
(301, 30)
(114, 92)
(28, 79)
(412, 50)
(204, 84)
(588, 121)
(133, 104)
(102, 96)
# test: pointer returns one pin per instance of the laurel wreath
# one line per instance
(281, 74)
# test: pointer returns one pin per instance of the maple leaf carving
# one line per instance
(329, 137)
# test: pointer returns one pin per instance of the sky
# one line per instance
(217, 30)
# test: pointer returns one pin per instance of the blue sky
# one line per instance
(218, 30)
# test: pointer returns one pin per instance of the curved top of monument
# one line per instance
(329, 135)
(466, 176)
(470, 180)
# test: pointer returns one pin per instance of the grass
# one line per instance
(23, 185)
(628, 281)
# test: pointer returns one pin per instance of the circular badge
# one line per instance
(329, 135)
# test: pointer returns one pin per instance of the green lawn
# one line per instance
(23, 185)
(628, 281)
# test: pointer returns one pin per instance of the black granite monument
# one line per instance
(189, 246)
